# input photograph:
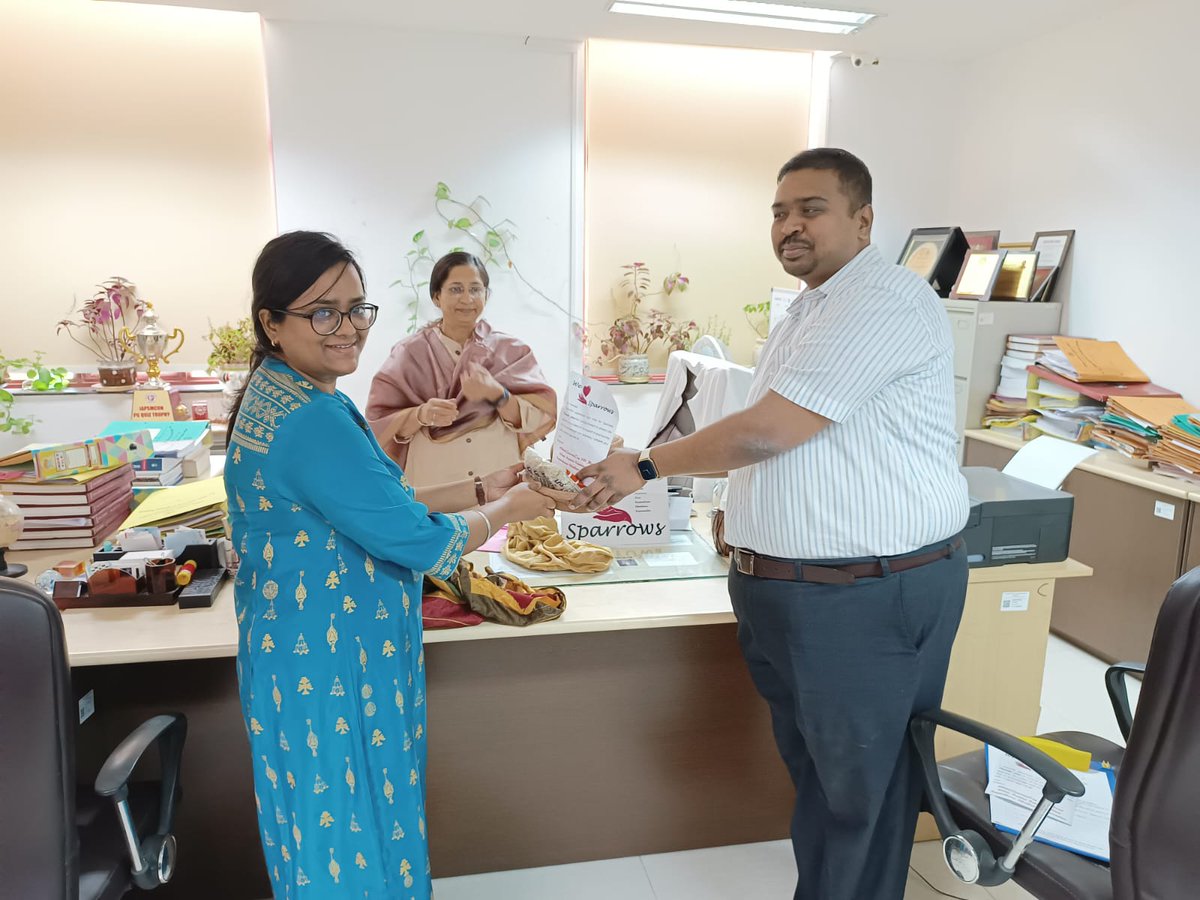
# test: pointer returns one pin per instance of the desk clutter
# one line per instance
(1090, 392)
(142, 568)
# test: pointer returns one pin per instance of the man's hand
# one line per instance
(479, 386)
(611, 481)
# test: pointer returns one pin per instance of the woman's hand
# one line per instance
(521, 504)
(560, 499)
(437, 413)
(479, 386)
(499, 483)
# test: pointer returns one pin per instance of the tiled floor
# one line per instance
(1073, 698)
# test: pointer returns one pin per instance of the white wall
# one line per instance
(895, 118)
(1093, 128)
(366, 121)
(1103, 140)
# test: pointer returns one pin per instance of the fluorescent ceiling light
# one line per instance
(749, 12)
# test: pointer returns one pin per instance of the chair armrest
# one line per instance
(1060, 783)
(169, 731)
(1118, 693)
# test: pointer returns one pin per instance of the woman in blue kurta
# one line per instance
(333, 544)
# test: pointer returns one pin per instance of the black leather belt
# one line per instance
(750, 563)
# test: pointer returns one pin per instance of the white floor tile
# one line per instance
(1073, 693)
(766, 871)
(604, 880)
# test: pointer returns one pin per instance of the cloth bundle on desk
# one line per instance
(468, 598)
(537, 545)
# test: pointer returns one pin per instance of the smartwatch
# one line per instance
(646, 466)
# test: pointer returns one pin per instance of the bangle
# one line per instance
(417, 416)
(487, 524)
(504, 398)
(480, 491)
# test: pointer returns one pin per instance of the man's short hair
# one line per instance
(852, 172)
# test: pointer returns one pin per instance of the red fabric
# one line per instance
(438, 612)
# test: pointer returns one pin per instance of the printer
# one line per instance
(1014, 521)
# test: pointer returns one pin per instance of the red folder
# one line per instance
(1102, 390)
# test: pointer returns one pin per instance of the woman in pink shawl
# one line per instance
(457, 398)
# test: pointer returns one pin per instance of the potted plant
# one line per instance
(630, 337)
(97, 324)
(38, 377)
(232, 346)
(759, 317)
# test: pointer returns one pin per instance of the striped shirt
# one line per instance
(871, 351)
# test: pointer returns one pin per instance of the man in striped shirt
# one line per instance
(845, 506)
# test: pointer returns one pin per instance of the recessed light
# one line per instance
(749, 12)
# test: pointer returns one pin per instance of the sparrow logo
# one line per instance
(583, 397)
(612, 514)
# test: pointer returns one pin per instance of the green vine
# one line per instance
(39, 377)
(491, 242)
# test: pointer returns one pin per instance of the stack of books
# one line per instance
(1177, 452)
(1133, 425)
(181, 450)
(1009, 404)
(76, 511)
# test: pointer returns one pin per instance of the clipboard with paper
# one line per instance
(1077, 824)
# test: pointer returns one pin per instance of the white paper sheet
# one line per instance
(1077, 823)
(1047, 461)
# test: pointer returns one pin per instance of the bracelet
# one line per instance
(487, 524)
(417, 416)
(480, 491)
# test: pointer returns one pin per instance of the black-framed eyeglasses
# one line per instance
(327, 320)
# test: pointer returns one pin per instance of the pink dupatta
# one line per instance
(420, 368)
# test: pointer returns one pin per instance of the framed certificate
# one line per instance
(1053, 247)
(978, 275)
(1017, 276)
(936, 254)
(982, 240)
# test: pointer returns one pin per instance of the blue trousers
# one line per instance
(843, 668)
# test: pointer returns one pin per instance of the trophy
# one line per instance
(155, 399)
(151, 345)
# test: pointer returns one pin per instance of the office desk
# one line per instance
(628, 726)
(1137, 528)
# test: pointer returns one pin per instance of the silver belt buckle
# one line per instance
(745, 562)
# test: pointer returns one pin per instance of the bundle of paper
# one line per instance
(1132, 425)
(200, 504)
(1177, 452)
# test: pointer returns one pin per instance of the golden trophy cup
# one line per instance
(154, 399)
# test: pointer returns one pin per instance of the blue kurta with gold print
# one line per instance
(328, 596)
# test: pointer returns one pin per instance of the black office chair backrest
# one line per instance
(1156, 810)
(38, 842)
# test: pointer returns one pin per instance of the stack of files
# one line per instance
(197, 504)
(1052, 395)
(76, 511)
(1131, 425)
(1009, 406)
(1178, 449)
(1089, 361)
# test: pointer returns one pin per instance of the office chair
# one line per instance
(1156, 805)
(57, 841)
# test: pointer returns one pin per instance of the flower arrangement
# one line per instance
(633, 334)
(98, 322)
(232, 345)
